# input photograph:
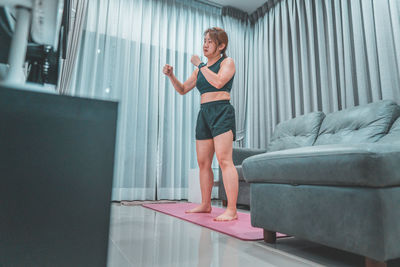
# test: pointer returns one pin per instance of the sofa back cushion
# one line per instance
(361, 124)
(297, 132)
(393, 136)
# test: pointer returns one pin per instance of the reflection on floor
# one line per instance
(143, 237)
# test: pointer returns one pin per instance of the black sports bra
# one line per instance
(204, 86)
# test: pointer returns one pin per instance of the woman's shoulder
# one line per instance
(227, 61)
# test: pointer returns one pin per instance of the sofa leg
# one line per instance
(269, 237)
(224, 203)
(373, 263)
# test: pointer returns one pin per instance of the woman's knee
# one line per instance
(225, 162)
(204, 164)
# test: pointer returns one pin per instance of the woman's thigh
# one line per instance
(205, 152)
(223, 147)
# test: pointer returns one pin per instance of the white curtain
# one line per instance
(124, 47)
(319, 55)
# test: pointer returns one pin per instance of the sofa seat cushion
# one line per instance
(239, 154)
(240, 172)
(369, 165)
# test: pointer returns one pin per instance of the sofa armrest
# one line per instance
(240, 154)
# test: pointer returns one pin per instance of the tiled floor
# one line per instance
(143, 237)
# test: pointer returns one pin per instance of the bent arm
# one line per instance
(225, 73)
(189, 84)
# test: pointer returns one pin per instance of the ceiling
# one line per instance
(248, 6)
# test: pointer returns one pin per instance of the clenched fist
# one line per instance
(168, 70)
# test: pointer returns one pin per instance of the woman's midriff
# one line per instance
(214, 96)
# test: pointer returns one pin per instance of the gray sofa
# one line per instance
(333, 180)
(305, 129)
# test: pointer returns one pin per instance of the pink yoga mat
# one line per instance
(240, 228)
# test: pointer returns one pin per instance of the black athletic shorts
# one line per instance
(215, 118)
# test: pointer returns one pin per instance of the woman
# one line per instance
(215, 128)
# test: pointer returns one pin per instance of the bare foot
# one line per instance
(200, 209)
(228, 215)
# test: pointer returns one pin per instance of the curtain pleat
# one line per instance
(67, 65)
